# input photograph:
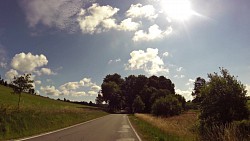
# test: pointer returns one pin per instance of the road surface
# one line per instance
(114, 127)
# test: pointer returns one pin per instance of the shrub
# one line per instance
(224, 100)
(166, 106)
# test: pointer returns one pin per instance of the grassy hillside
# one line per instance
(38, 114)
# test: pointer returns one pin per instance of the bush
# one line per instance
(224, 100)
(166, 106)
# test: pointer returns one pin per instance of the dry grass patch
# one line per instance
(180, 125)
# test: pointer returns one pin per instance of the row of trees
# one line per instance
(141, 94)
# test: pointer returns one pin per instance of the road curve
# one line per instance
(114, 127)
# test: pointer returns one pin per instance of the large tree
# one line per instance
(112, 95)
(224, 100)
(21, 84)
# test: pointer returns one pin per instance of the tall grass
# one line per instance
(180, 126)
(230, 132)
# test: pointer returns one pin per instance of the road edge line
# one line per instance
(39, 135)
(134, 130)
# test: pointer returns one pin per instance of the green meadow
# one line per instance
(38, 114)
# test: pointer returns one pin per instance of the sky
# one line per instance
(69, 46)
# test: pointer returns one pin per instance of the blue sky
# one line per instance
(69, 46)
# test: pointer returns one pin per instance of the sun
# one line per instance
(177, 9)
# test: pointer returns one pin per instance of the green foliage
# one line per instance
(166, 106)
(138, 105)
(22, 84)
(112, 95)
(136, 91)
(198, 84)
(224, 100)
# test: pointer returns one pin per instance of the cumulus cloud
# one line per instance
(47, 71)
(71, 85)
(28, 62)
(187, 94)
(76, 88)
(77, 94)
(9, 75)
(139, 11)
(148, 61)
(96, 88)
(153, 33)
(92, 93)
(50, 90)
(60, 14)
(128, 25)
(97, 18)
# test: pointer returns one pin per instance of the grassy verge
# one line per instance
(38, 114)
(177, 128)
(149, 132)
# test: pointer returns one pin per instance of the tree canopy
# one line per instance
(136, 93)
(224, 100)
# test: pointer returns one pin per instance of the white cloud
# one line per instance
(38, 82)
(153, 33)
(47, 71)
(99, 18)
(165, 54)
(139, 11)
(128, 25)
(114, 61)
(9, 75)
(149, 61)
(3, 54)
(60, 14)
(92, 93)
(28, 62)
(96, 88)
(50, 90)
(187, 94)
(190, 82)
(179, 69)
(248, 89)
(71, 85)
(179, 76)
(77, 94)
(3, 65)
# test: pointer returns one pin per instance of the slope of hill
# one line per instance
(38, 114)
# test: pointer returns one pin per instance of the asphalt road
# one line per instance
(114, 127)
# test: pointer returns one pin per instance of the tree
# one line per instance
(138, 105)
(99, 99)
(166, 106)
(198, 84)
(112, 95)
(224, 100)
(21, 84)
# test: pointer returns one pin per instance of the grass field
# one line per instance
(38, 114)
(181, 125)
